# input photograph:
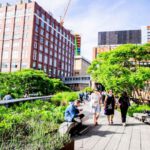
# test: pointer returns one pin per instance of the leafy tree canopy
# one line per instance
(31, 81)
(123, 69)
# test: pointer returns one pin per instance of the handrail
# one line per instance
(2, 102)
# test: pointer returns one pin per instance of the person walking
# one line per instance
(95, 105)
(124, 104)
(109, 106)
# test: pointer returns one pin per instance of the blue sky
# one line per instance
(87, 17)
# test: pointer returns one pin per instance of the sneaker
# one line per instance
(124, 124)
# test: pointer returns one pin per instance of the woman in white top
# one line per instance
(95, 105)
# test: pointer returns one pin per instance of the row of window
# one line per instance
(15, 54)
(47, 26)
(13, 65)
(51, 71)
(18, 12)
(77, 78)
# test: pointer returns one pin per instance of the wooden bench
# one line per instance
(147, 120)
(66, 127)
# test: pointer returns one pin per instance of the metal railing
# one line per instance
(3, 102)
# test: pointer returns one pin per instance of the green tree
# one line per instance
(123, 69)
(31, 81)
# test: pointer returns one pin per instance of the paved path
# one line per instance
(135, 136)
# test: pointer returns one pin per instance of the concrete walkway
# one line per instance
(135, 136)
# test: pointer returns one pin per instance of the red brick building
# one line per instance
(31, 38)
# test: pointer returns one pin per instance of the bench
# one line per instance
(147, 120)
(140, 116)
(66, 127)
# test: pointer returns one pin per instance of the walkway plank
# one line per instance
(135, 136)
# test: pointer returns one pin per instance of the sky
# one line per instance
(88, 17)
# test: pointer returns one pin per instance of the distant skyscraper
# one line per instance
(77, 44)
(119, 37)
(108, 40)
(31, 38)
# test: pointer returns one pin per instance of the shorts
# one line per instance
(96, 109)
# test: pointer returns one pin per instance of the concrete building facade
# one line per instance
(31, 38)
(80, 78)
(80, 66)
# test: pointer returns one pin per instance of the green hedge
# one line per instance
(64, 98)
(31, 81)
(24, 123)
(134, 108)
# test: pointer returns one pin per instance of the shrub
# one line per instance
(64, 98)
(134, 108)
(30, 81)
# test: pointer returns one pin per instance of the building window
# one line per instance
(41, 48)
(8, 36)
(50, 61)
(24, 54)
(25, 44)
(47, 28)
(47, 35)
(18, 19)
(5, 54)
(46, 50)
(51, 53)
(27, 18)
(27, 27)
(37, 21)
(46, 42)
(7, 29)
(42, 24)
(34, 65)
(16, 44)
(45, 68)
(17, 28)
(6, 45)
(29, 11)
(4, 65)
(36, 29)
(40, 57)
(15, 54)
(23, 65)
(26, 35)
(42, 32)
(55, 63)
(14, 65)
(42, 40)
(10, 13)
(35, 44)
(34, 55)
(43, 16)
(20, 12)
(17, 35)
(39, 66)
(45, 59)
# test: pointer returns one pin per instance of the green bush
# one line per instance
(28, 122)
(134, 108)
(31, 81)
(64, 98)
(87, 89)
